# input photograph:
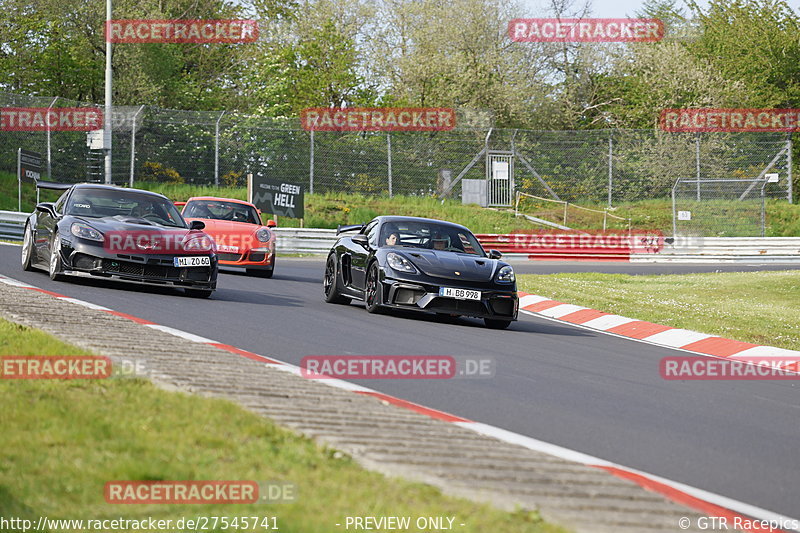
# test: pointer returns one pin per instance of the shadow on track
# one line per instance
(279, 275)
(252, 297)
(520, 326)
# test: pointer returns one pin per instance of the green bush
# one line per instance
(156, 172)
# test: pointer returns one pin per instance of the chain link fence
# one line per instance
(604, 167)
(720, 207)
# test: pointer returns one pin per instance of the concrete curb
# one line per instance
(658, 334)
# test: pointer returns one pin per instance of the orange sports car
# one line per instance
(235, 225)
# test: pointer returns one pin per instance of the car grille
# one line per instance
(197, 274)
(451, 305)
(408, 296)
(502, 306)
(257, 257)
(229, 257)
(152, 271)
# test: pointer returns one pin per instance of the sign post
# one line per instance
(29, 166)
(276, 197)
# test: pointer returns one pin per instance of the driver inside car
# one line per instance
(439, 241)
(393, 239)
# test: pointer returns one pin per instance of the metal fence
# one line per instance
(220, 148)
(720, 208)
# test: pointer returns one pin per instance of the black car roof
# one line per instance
(394, 218)
(115, 188)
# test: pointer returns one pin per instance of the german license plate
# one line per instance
(460, 294)
(224, 248)
(192, 261)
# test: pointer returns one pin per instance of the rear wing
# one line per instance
(351, 227)
(53, 185)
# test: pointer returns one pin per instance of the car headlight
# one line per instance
(199, 243)
(505, 275)
(263, 235)
(400, 263)
(85, 231)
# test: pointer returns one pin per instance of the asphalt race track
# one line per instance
(590, 392)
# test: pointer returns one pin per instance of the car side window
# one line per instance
(59, 205)
(371, 231)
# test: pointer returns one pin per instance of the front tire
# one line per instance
(372, 290)
(330, 283)
(55, 265)
(492, 323)
(27, 249)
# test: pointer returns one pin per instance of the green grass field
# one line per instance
(757, 307)
(331, 209)
(61, 441)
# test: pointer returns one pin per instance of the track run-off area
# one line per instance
(590, 392)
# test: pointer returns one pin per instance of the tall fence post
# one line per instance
(697, 155)
(49, 166)
(789, 166)
(133, 145)
(311, 167)
(216, 150)
(389, 159)
(610, 169)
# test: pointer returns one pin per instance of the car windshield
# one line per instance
(430, 235)
(91, 202)
(218, 210)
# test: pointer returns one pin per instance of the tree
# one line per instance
(57, 48)
(458, 54)
(753, 42)
(309, 58)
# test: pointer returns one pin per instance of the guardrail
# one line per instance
(691, 249)
(726, 250)
(556, 246)
(12, 225)
(304, 240)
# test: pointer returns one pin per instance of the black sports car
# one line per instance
(420, 264)
(124, 234)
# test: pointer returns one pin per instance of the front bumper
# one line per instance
(81, 259)
(416, 295)
(248, 259)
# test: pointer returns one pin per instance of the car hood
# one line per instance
(451, 265)
(226, 227)
(126, 223)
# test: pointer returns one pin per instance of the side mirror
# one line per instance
(360, 238)
(197, 224)
(271, 223)
(494, 254)
(47, 208)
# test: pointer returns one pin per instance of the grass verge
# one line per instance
(757, 307)
(63, 440)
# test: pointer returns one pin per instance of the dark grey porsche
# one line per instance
(132, 235)
(423, 265)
